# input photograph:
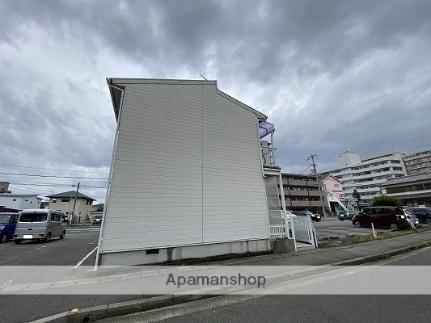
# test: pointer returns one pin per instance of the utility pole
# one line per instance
(312, 158)
(74, 202)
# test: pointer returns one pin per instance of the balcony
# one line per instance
(316, 203)
(315, 193)
(296, 182)
(300, 203)
(296, 192)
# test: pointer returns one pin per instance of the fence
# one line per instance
(298, 228)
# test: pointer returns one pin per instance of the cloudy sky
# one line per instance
(330, 74)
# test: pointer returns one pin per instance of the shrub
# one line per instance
(386, 201)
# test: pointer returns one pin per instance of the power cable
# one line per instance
(52, 176)
(57, 169)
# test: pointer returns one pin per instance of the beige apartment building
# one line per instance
(64, 202)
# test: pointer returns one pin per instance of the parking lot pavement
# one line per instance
(79, 241)
(332, 227)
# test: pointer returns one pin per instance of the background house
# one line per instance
(4, 186)
(20, 201)
(333, 189)
(64, 202)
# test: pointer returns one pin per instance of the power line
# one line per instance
(58, 169)
(43, 184)
(52, 176)
(54, 185)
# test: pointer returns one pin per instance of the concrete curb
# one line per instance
(383, 255)
(100, 312)
(91, 314)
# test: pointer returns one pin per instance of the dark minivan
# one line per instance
(382, 216)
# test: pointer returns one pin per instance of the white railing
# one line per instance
(298, 228)
(278, 231)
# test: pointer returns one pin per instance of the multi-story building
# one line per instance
(419, 162)
(367, 175)
(303, 192)
(412, 190)
(186, 175)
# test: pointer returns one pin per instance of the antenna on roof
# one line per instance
(203, 77)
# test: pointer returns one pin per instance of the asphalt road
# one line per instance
(302, 308)
(79, 241)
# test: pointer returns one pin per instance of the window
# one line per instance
(14, 200)
(33, 217)
(56, 216)
(54, 201)
(65, 200)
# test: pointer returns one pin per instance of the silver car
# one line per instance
(40, 224)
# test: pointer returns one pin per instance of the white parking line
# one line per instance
(83, 259)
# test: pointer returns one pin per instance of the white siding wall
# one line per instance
(174, 182)
(234, 190)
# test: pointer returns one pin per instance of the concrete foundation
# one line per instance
(282, 245)
(174, 254)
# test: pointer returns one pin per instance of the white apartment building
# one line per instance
(366, 175)
(419, 162)
(173, 192)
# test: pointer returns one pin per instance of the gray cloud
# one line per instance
(330, 74)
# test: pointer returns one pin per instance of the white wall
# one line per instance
(186, 171)
(18, 202)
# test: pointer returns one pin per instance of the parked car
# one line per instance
(423, 214)
(7, 226)
(40, 224)
(314, 216)
(412, 219)
(382, 216)
(345, 216)
(97, 220)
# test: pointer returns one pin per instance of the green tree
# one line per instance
(386, 201)
(357, 196)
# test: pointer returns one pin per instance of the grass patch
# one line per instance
(366, 238)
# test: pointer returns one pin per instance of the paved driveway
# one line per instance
(333, 227)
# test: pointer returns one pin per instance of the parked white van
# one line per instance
(40, 224)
